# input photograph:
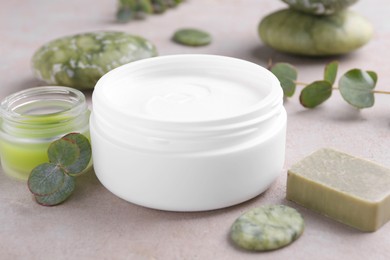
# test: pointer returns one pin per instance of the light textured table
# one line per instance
(94, 224)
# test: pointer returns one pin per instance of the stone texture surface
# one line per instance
(94, 224)
(79, 61)
(267, 227)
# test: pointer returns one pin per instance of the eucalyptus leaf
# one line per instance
(45, 179)
(63, 152)
(84, 156)
(356, 87)
(315, 93)
(59, 196)
(373, 75)
(330, 72)
(287, 75)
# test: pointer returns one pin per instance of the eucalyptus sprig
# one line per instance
(53, 182)
(356, 86)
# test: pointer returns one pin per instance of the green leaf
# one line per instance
(84, 156)
(315, 93)
(373, 75)
(330, 72)
(63, 152)
(45, 179)
(356, 87)
(59, 196)
(287, 75)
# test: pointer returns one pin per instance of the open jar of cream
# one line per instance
(33, 118)
(188, 132)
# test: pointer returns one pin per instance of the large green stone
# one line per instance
(79, 61)
(299, 33)
(319, 7)
(267, 228)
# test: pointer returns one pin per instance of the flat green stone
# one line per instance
(319, 7)
(267, 228)
(299, 33)
(79, 61)
(192, 37)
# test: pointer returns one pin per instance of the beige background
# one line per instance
(94, 224)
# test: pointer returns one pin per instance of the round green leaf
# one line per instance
(63, 152)
(59, 196)
(373, 75)
(287, 75)
(356, 87)
(315, 93)
(84, 155)
(45, 179)
(330, 72)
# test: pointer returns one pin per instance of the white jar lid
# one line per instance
(181, 91)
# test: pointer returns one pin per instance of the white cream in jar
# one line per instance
(188, 132)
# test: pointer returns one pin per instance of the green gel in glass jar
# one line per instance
(33, 118)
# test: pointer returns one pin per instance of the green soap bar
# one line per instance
(192, 37)
(267, 228)
(348, 189)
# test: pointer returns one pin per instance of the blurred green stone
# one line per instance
(79, 61)
(299, 33)
(192, 37)
(319, 7)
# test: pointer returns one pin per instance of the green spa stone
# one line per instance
(267, 228)
(319, 7)
(348, 189)
(192, 37)
(304, 34)
(79, 61)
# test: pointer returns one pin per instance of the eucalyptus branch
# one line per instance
(53, 182)
(356, 86)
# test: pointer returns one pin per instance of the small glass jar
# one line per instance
(188, 132)
(33, 118)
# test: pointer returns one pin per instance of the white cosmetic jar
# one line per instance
(188, 132)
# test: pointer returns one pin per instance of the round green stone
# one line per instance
(192, 37)
(319, 7)
(79, 61)
(267, 228)
(299, 33)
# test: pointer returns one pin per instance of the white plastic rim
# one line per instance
(188, 132)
